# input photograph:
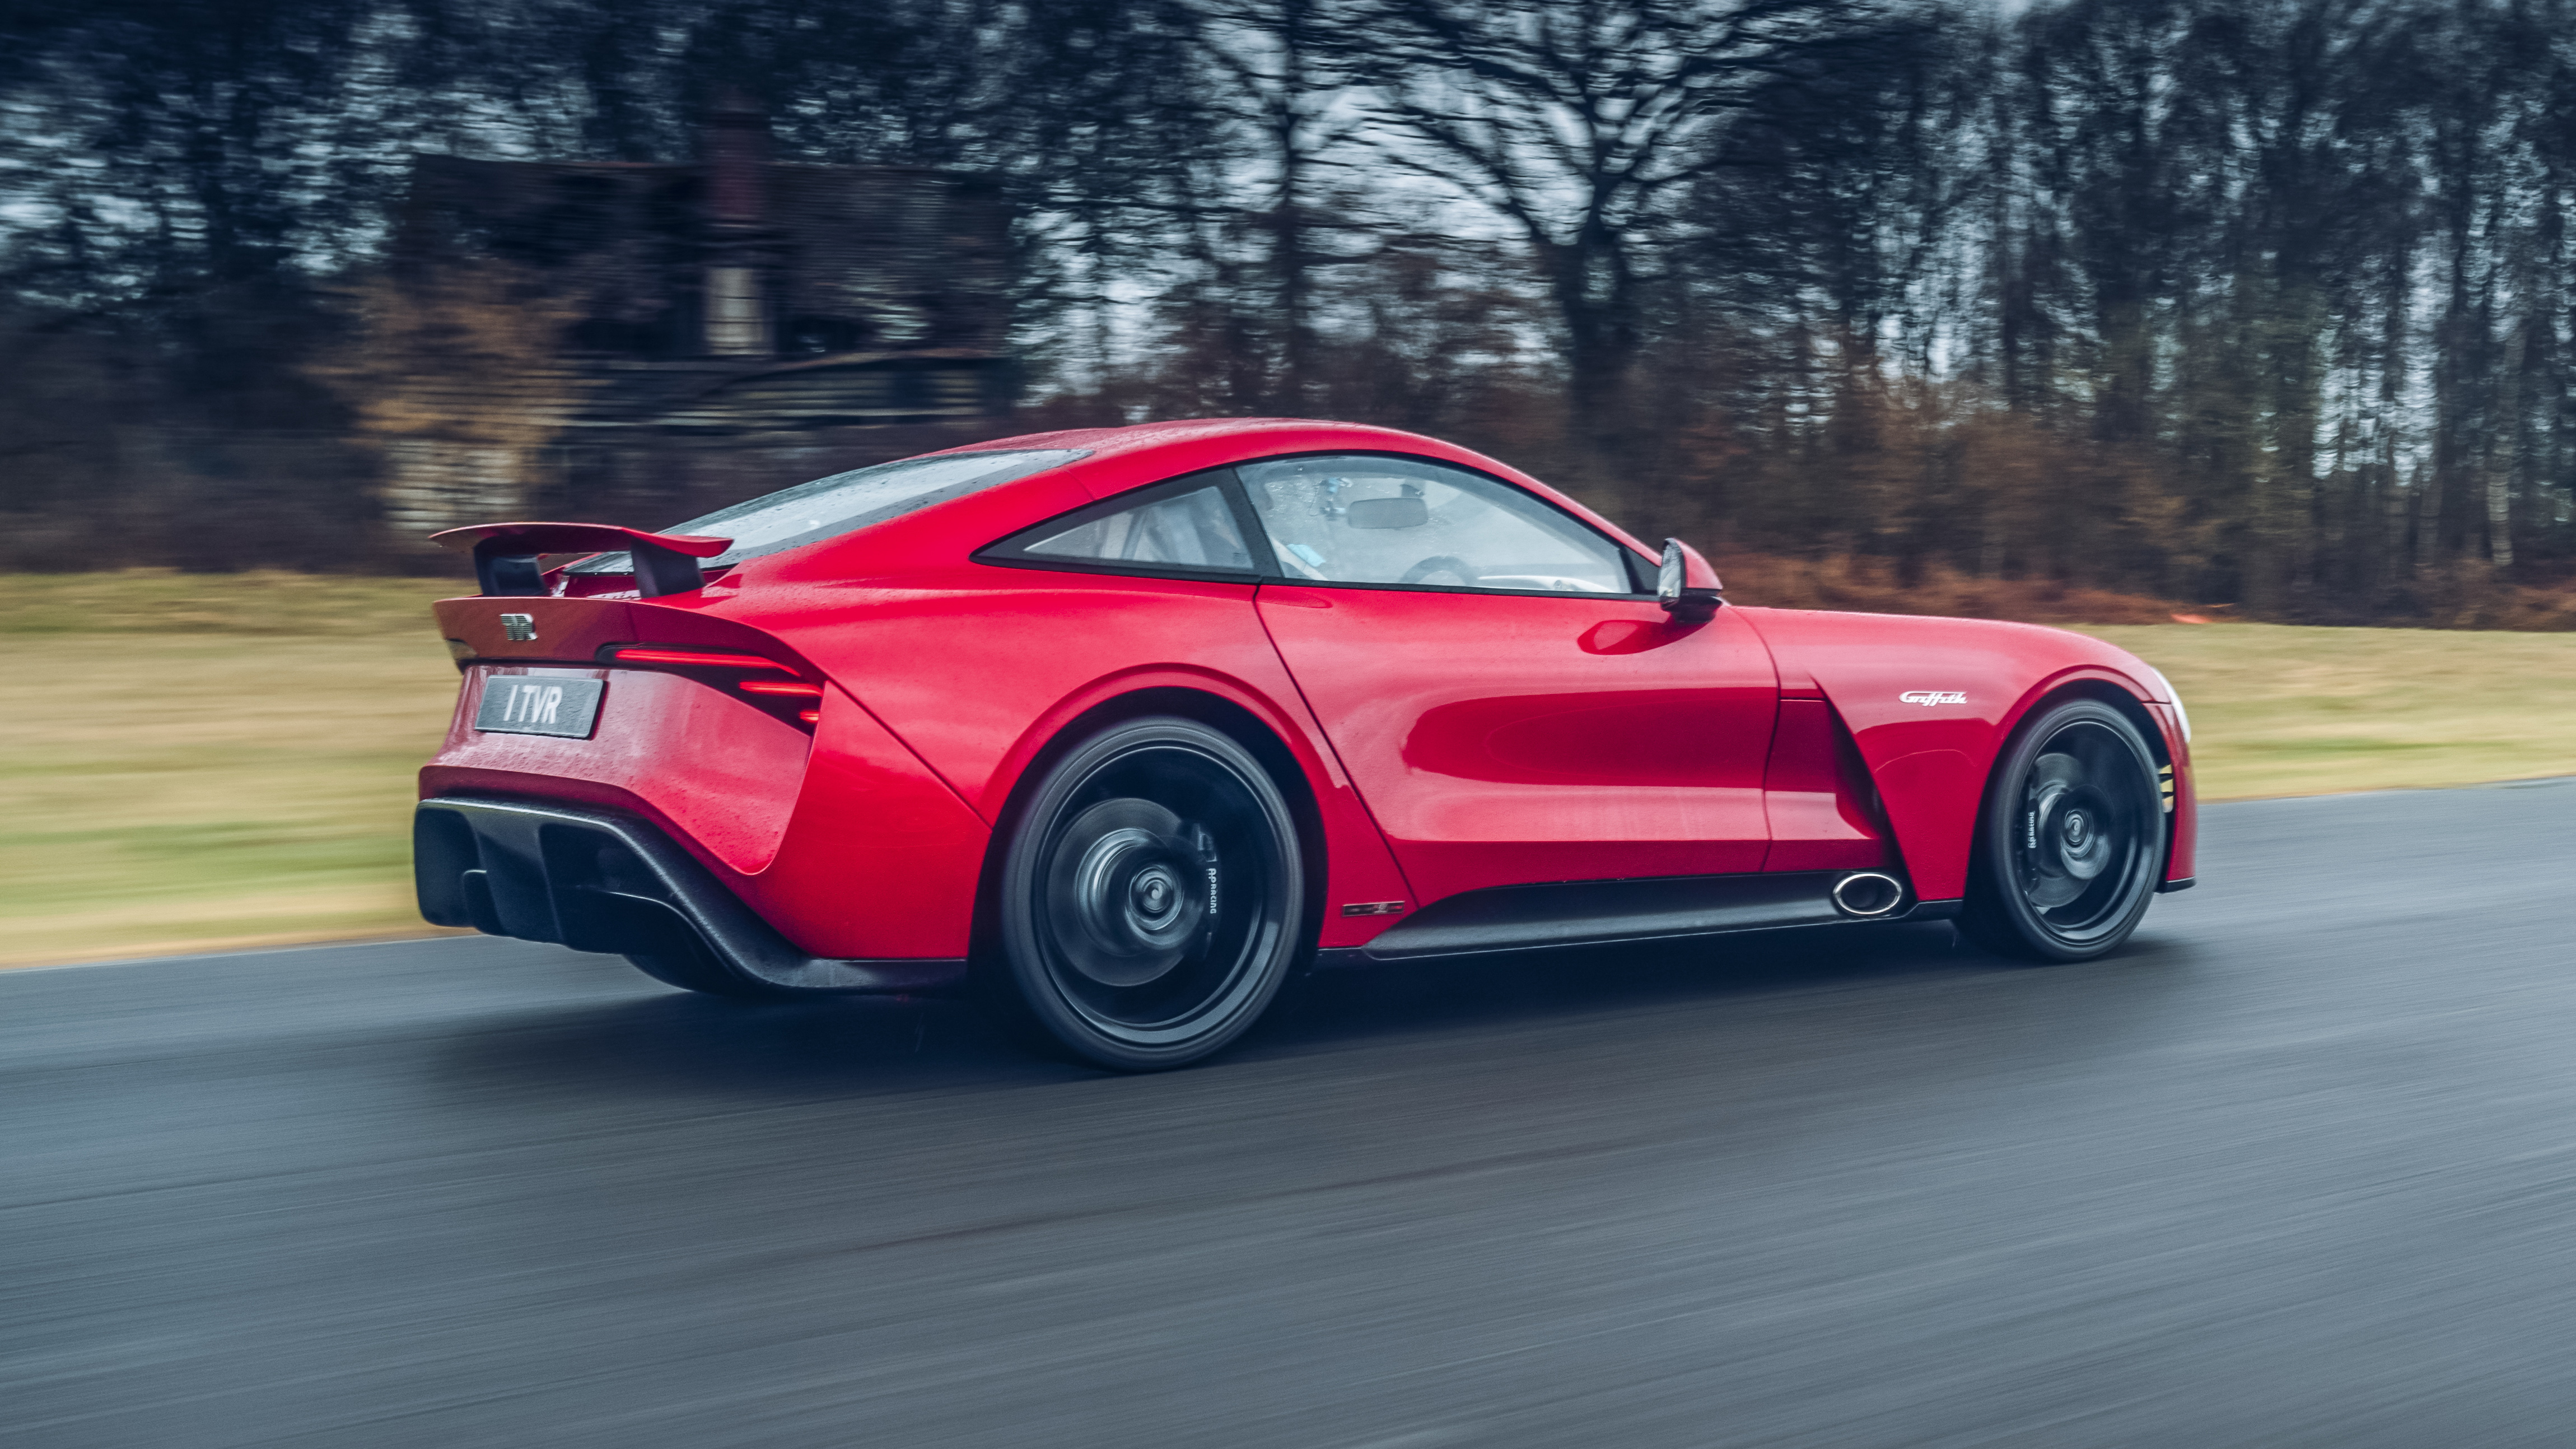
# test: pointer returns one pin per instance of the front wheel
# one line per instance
(2071, 838)
(1151, 897)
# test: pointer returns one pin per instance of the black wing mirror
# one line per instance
(1673, 591)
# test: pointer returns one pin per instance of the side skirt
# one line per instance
(596, 880)
(1601, 913)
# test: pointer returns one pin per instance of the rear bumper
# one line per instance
(599, 880)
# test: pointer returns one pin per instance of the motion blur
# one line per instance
(2136, 316)
(2260, 305)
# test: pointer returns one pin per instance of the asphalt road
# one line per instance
(2298, 1167)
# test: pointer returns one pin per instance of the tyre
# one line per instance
(2070, 840)
(1151, 898)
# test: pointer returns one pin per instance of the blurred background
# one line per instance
(2241, 333)
(2254, 304)
(2109, 314)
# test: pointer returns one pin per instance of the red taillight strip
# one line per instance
(628, 654)
(773, 686)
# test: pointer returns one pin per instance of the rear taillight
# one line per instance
(689, 658)
(784, 691)
(779, 697)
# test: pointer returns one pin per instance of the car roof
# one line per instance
(1157, 436)
(1141, 453)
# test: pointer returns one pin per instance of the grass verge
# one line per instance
(201, 763)
(197, 763)
(2284, 710)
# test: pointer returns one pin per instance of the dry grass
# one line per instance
(269, 603)
(2282, 710)
(195, 763)
(192, 763)
(2467, 596)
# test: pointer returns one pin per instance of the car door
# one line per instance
(1510, 704)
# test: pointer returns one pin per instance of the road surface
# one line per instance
(2297, 1167)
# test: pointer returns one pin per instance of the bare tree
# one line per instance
(1576, 123)
(1283, 71)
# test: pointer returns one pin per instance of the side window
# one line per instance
(1363, 519)
(1191, 530)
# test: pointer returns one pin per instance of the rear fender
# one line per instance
(1358, 867)
(880, 858)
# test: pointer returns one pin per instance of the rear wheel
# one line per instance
(2070, 839)
(1151, 897)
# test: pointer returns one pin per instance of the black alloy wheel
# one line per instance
(1152, 897)
(2071, 839)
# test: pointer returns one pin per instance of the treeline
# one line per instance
(2253, 302)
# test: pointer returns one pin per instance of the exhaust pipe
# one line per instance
(1867, 894)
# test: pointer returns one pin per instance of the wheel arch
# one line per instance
(2122, 697)
(1229, 718)
(2085, 686)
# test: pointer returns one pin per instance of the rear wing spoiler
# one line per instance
(505, 554)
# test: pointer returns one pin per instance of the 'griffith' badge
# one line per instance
(1926, 697)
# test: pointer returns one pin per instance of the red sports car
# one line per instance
(1121, 727)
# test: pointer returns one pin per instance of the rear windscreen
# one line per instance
(847, 502)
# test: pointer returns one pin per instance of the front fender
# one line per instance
(1930, 703)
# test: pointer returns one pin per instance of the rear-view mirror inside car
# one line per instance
(1388, 513)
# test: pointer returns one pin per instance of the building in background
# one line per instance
(643, 341)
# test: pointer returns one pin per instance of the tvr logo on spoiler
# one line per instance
(1933, 696)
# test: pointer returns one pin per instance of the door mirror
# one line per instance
(1387, 513)
(1674, 591)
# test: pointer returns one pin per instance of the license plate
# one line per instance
(515, 704)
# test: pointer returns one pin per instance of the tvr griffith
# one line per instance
(1119, 728)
